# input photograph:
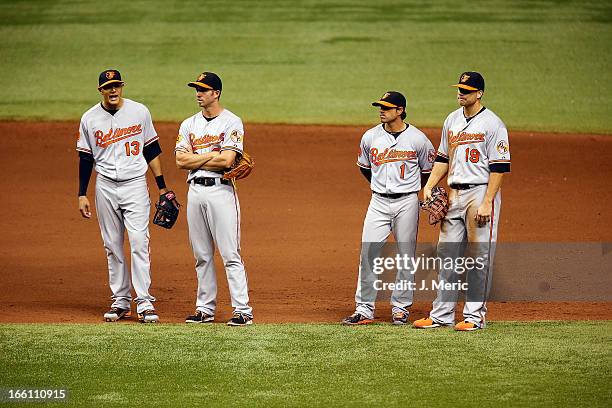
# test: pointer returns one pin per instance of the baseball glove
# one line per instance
(437, 205)
(167, 210)
(242, 167)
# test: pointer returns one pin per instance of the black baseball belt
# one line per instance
(209, 181)
(393, 195)
(464, 186)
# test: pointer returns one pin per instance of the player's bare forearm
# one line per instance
(155, 166)
(222, 161)
(192, 161)
(437, 173)
(495, 182)
(484, 212)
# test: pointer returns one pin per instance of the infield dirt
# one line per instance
(302, 214)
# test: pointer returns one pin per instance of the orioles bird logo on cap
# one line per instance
(464, 78)
(110, 74)
(201, 77)
(385, 95)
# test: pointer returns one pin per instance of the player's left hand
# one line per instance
(84, 207)
(483, 214)
(167, 210)
(163, 191)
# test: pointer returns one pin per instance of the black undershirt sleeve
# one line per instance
(367, 173)
(424, 179)
(151, 151)
(499, 167)
(441, 159)
(86, 163)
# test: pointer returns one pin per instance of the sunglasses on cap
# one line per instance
(201, 89)
(465, 91)
(112, 85)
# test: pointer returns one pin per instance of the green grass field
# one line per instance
(318, 61)
(508, 364)
(547, 67)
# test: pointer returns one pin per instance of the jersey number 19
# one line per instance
(472, 155)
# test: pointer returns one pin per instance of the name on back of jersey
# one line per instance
(390, 155)
(104, 140)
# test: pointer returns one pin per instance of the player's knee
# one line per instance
(231, 260)
(139, 241)
(203, 260)
(114, 249)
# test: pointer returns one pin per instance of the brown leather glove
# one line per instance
(437, 206)
(242, 167)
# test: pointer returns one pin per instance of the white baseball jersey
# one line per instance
(472, 146)
(396, 163)
(198, 135)
(117, 141)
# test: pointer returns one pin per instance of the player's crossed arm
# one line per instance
(212, 161)
(191, 161)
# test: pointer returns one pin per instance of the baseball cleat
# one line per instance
(240, 319)
(116, 313)
(200, 317)
(400, 318)
(148, 316)
(467, 326)
(356, 319)
(426, 323)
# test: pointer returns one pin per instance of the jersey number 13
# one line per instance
(132, 149)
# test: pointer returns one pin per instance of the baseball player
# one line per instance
(393, 157)
(475, 153)
(118, 138)
(207, 144)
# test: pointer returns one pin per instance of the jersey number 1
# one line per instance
(403, 170)
(132, 149)
(472, 155)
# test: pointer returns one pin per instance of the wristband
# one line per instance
(160, 182)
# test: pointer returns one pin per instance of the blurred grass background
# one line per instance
(546, 63)
(536, 364)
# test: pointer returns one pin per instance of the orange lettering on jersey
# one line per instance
(462, 138)
(390, 155)
(104, 140)
(204, 141)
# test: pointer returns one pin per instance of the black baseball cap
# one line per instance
(472, 81)
(108, 77)
(391, 99)
(208, 80)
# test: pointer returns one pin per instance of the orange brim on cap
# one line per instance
(385, 103)
(469, 88)
(110, 82)
(200, 84)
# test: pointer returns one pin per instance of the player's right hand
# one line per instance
(426, 193)
(84, 207)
